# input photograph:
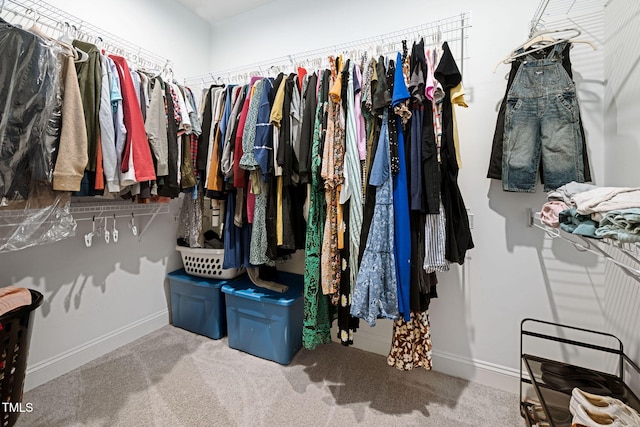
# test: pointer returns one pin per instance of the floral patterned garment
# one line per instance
(411, 347)
(332, 172)
(317, 314)
(375, 294)
(258, 246)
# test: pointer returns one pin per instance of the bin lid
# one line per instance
(182, 276)
(244, 288)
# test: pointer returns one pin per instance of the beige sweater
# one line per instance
(72, 152)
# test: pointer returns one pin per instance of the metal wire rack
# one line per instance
(584, 244)
(453, 30)
(55, 22)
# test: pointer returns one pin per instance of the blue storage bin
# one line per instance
(197, 304)
(265, 323)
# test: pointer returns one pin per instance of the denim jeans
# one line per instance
(542, 122)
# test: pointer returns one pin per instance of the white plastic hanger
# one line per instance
(132, 225)
(540, 41)
(69, 32)
(88, 238)
(114, 231)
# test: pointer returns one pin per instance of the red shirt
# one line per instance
(136, 143)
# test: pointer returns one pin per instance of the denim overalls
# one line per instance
(542, 120)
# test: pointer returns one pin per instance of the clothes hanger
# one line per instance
(539, 38)
(79, 55)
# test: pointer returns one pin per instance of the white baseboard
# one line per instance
(42, 372)
(478, 371)
(378, 340)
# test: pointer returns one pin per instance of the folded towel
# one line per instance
(12, 297)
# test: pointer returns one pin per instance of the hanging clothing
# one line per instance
(351, 201)
(352, 189)
(411, 343)
(90, 81)
(458, 232)
(237, 240)
(169, 185)
(402, 239)
(373, 125)
(495, 162)
(332, 172)
(375, 293)
(306, 137)
(435, 242)
(72, 155)
(259, 241)
(136, 134)
(228, 148)
(317, 307)
(239, 174)
(156, 125)
(29, 84)
(248, 160)
(203, 140)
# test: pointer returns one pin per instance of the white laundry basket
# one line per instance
(207, 263)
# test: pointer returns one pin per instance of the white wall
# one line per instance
(623, 85)
(164, 27)
(515, 271)
(622, 134)
(99, 298)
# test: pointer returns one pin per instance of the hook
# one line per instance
(132, 225)
(88, 238)
(107, 234)
(36, 16)
(114, 231)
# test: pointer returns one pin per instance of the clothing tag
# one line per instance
(539, 73)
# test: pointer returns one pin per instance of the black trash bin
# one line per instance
(15, 337)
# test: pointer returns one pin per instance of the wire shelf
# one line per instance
(451, 29)
(595, 246)
(54, 21)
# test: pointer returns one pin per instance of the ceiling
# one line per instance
(217, 10)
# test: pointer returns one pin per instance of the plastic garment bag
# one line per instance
(31, 212)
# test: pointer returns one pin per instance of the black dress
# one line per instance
(458, 232)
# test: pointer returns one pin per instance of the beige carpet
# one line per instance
(175, 378)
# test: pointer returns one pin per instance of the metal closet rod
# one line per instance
(56, 20)
(435, 32)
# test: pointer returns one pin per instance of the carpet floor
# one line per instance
(172, 378)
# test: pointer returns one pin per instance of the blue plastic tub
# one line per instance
(197, 304)
(264, 323)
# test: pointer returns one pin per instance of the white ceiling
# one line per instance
(217, 10)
